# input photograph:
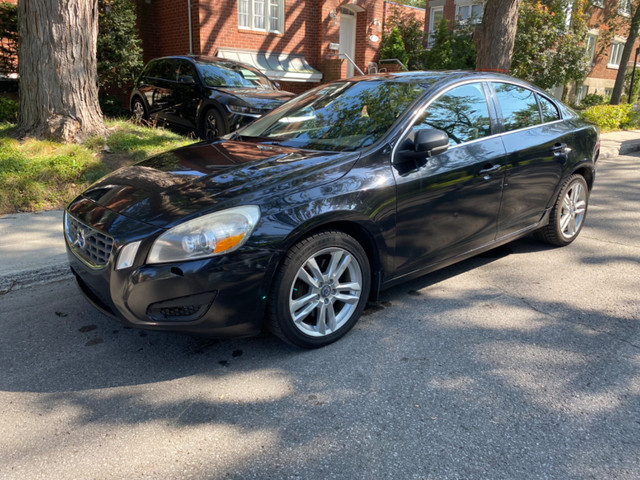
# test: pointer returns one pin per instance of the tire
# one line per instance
(212, 125)
(139, 112)
(568, 213)
(320, 290)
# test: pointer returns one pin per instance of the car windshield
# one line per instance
(229, 74)
(341, 116)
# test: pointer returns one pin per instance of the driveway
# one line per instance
(523, 363)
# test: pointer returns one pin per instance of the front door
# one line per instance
(348, 37)
(448, 204)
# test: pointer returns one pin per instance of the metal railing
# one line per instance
(394, 60)
(348, 58)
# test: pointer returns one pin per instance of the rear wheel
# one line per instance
(212, 125)
(568, 213)
(320, 290)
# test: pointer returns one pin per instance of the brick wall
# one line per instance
(310, 27)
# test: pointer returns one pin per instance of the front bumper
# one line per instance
(219, 296)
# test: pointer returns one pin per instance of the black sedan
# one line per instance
(297, 220)
(208, 95)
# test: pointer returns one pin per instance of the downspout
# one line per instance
(190, 28)
(384, 16)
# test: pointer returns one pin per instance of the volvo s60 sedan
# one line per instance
(294, 222)
(208, 95)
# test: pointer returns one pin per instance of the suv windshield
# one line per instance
(341, 116)
(228, 74)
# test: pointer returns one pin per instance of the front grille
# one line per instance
(91, 245)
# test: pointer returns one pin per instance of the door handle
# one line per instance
(559, 148)
(489, 169)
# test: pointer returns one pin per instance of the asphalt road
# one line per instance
(523, 363)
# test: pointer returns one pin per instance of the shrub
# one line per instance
(112, 107)
(393, 47)
(592, 99)
(8, 37)
(8, 110)
(608, 117)
(119, 48)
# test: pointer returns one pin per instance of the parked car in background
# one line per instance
(207, 95)
(9, 83)
(298, 219)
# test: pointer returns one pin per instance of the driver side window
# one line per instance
(461, 112)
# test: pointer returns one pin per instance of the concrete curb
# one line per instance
(37, 276)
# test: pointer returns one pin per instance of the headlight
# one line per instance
(245, 110)
(206, 236)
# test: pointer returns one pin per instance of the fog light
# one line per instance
(127, 255)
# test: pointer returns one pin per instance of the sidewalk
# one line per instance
(32, 246)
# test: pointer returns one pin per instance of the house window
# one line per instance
(262, 15)
(435, 17)
(597, 3)
(590, 49)
(624, 7)
(469, 12)
(616, 54)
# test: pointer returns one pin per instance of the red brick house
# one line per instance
(608, 29)
(298, 43)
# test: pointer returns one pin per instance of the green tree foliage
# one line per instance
(627, 85)
(463, 51)
(119, 45)
(392, 46)
(412, 34)
(413, 3)
(8, 37)
(546, 52)
(440, 55)
(451, 50)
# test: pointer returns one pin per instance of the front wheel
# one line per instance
(320, 290)
(568, 213)
(212, 125)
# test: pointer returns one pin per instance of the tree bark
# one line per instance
(616, 94)
(495, 36)
(58, 72)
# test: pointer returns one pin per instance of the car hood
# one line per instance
(184, 183)
(264, 99)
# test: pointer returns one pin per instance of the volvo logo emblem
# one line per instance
(81, 240)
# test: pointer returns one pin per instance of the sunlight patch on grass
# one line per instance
(39, 175)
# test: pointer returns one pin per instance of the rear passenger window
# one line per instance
(549, 110)
(519, 106)
(462, 112)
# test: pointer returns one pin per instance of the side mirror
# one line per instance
(431, 141)
(187, 80)
(428, 142)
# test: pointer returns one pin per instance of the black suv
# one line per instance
(208, 95)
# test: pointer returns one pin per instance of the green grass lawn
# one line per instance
(41, 175)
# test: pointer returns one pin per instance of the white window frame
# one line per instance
(615, 54)
(257, 15)
(597, 3)
(624, 7)
(590, 45)
(432, 25)
(460, 4)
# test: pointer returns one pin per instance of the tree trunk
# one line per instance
(495, 36)
(626, 55)
(57, 67)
